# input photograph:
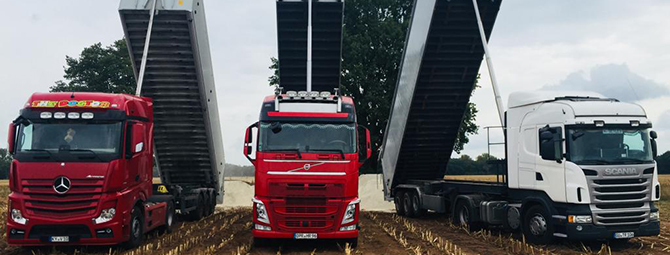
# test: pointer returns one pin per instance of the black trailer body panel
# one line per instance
(434, 88)
(292, 18)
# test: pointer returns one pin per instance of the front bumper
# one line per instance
(595, 232)
(289, 235)
(79, 231)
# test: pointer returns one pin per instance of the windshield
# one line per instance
(600, 146)
(307, 137)
(97, 138)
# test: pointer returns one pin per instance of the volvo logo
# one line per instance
(621, 171)
(307, 167)
(62, 185)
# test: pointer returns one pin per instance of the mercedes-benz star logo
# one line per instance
(62, 185)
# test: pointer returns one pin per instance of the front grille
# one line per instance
(332, 190)
(306, 223)
(306, 214)
(81, 200)
(45, 231)
(618, 201)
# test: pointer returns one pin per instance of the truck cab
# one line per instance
(591, 152)
(82, 170)
(307, 157)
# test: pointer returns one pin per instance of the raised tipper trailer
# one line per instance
(578, 165)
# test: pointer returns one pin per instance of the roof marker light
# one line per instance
(635, 123)
(291, 93)
(59, 115)
(325, 94)
(302, 93)
(87, 115)
(599, 123)
(46, 115)
(73, 115)
(313, 94)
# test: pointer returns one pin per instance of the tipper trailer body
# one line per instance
(83, 162)
(577, 166)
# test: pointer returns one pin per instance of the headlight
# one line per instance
(262, 227)
(348, 228)
(654, 215)
(105, 216)
(261, 212)
(580, 219)
(18, 218)
(350, 212)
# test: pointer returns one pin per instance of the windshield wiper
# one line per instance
(87, 150)
(332, 150)
(40, 150)
(634, 160)
(285, 150)
(594, 161)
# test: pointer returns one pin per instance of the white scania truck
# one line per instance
(578, 165)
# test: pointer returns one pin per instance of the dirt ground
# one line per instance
(228, 231)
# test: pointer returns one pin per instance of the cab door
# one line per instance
(550, 163)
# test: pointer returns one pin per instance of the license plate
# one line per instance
(624, 235)
(60, 239)
(305, 236)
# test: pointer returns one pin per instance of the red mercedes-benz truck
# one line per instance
(307, 161)
(83, 162)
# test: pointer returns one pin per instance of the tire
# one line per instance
(261, 242)
(136, 228)
(463, 215)
(169, 218)
(353, 242)
(537, 225)
(407, 204)
(399, 209)
(416, 205)
(212, 208)
(199, 211)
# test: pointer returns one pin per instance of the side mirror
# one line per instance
(551, 143)
(138, 138)
(654, 146)
(11, 138)
(366, 148)
(248, 141)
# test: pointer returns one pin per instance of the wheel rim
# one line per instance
(464, 216)
(537, 225)
(137, 228)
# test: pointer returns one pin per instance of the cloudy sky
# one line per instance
(615, 47)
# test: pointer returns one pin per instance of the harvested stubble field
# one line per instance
(228, 232)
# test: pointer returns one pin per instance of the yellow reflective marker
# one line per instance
(181, 2)
(162, 189)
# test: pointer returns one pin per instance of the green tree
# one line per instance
(373, 40)
(5, 163)
(99, 69)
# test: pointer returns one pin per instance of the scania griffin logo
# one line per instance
(62, 185)
(621, 171)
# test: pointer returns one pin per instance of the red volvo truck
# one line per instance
(307, 159)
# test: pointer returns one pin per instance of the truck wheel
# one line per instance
(136, 228)
(537, 226)
(169, 218)
(212, 202)
(399, 208)
(416, 205)
(463, 215)
(199, 211)
(407, 204)
(353, 242)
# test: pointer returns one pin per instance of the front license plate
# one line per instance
(60, 239)
(305, 236)
(624, 235)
